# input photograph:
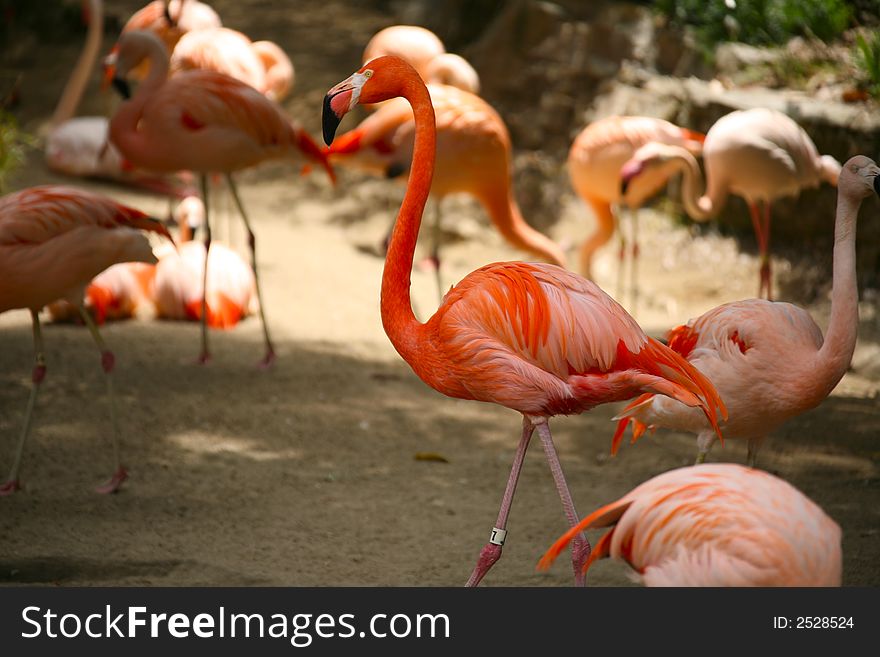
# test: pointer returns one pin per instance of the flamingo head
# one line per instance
(861, 176)
(377, 80)
(131, 49)
(653, 156)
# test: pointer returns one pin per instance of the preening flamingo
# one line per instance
(473, 156)
(759, 154)
(532, 337)
(767, 359)
(201, 121)
(171, 19)
(594, 161)
(53, 241)
(178, 288)
(716, 525)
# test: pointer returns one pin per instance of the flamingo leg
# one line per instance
(580, 546)
(491, 552)
(39, 373)
(269, 358)
(758, 225)
(754, 446)
(204, 356)
(705, 440)
(634, 262)
(435, 249)
(766, 277)
(108, 360)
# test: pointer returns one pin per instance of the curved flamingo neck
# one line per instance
(398, 319)
(837, 349)
(698, 205)
(78, 80)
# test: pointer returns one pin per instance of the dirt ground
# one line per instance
(306, 474)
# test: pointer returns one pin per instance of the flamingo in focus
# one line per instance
(594, 161)
(201, 121)
(53, 241)
(717, 524)
(759, 154)
(177, 288)
(531, 337)
(473, 156)
(262, 65)
(768, 360)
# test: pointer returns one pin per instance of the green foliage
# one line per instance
(868, 60)
(759, 22)
(13, 143)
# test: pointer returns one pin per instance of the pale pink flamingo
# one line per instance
(201, 121)
(171, 19)
(177, 287)
(532, 337)
(417, 45)
(759, 154)
(262, 65)
(53, 241)
(716, 525)
(122, 291)
(767, 359)
(453, 70)
(473, 157)
(594, 162)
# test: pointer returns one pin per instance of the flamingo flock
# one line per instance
(531, 337)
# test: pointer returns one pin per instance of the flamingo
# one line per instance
(122, 291)
(177, 288)
(201, 121)
(171, 19)
(759, 154)
(262, 65)
(53, 241)
(717, 524)
(417, 45)
(594, 161)
(532, 337)
(768, 360)
(453, 70)
(473, 156)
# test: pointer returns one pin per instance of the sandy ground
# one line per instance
(306, 474)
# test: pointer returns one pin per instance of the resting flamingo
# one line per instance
(716, 525)
(122, 291)
(473, 156)
(53, 241)
(532, 337)
(594, 161)
(759, 154)
(177, 288)
(201, 121)
(767, 359)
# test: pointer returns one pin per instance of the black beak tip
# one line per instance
(624, 185)
(877, 184)
(122, 88)
(329, 121)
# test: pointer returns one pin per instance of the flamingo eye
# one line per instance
(368, 73)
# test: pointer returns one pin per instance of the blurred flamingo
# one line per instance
(594, 162)
(201, 121)
(122, 291)
(767, 359)
(53, 241)
(454, 71)
(532, 337)
(178, 281)
(171, 19)
(716, 525)
(473, 156)
(759, 154)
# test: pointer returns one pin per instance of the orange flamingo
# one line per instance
(201, 121)
(759, 154)
(768, 360)
(262, 65)
(122, 291)
(473, 156)
(716, 525)
(532, 337)
(177, 288)
(594, 163)
(53, 241)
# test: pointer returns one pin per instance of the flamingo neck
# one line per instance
(837, 349)
(698, 205)
(78, 80)
(398, 319)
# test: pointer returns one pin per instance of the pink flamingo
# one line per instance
(416, 45)
(201, 121)
(716, 525)
(532, 337)
(473, 156)
(768, 360)
(122, 291)
(594, 162)
(454, 71)
(171, 19)
(262, 65)
(759, 154)
(53, 241)
(177, 288)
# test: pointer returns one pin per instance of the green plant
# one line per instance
(868, 60)
(13, 143)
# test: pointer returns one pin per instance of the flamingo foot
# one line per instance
(114, 482)
(203, 359)
(10, 487)
(268, 359)
(490, 553)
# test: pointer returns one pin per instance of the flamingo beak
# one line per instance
(340, 100)
(167, 14)
(109, 68)
(122, 88)
(629, 171)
